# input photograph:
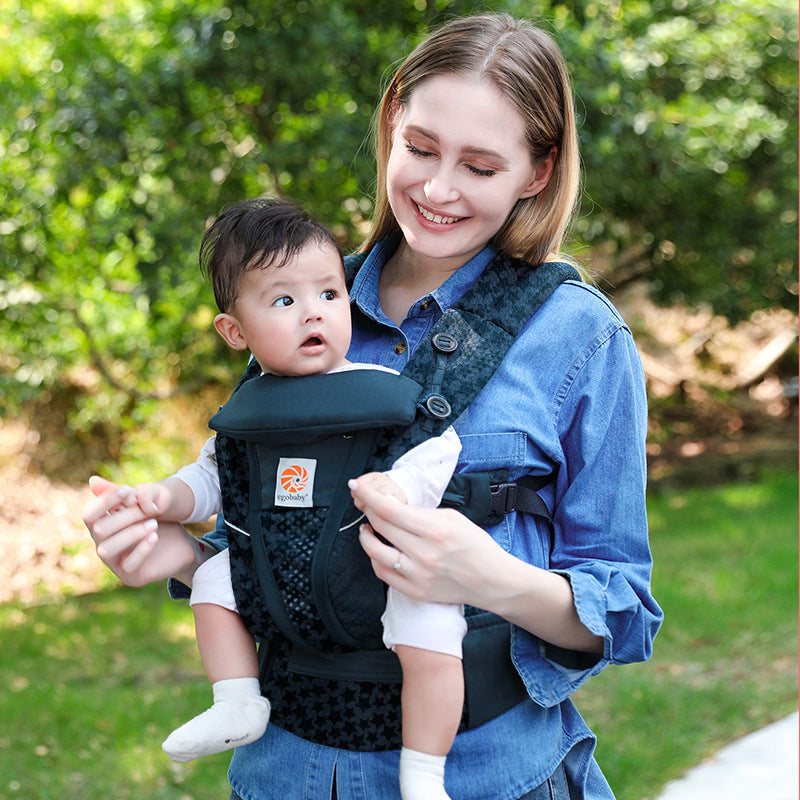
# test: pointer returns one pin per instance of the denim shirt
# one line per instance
(567, 401)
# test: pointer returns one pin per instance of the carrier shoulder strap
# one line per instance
(470, 340)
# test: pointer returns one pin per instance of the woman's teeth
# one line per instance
(436, 218)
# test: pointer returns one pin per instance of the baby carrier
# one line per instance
(303, 585)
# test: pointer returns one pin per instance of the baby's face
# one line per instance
(295, 318)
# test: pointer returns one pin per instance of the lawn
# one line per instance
(725, 662)
(93, 683)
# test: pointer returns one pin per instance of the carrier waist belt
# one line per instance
(492, 684)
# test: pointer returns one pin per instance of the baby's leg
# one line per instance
(427, 639)
(432, 700)
(239, 714)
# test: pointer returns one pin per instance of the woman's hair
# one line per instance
(525, 64)
(256, 234)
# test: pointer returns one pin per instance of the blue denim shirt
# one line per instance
(568, 400)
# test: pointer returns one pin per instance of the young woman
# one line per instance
(478, 176)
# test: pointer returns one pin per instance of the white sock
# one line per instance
(239, 716)
(422, 776)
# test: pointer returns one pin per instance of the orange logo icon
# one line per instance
(294, 479)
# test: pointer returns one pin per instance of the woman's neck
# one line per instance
(406, 277)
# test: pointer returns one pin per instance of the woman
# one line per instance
(478, 172)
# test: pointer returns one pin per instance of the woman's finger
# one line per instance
(384, 559)
(383, 554)
(121, 541)
(398, 522)
(104, 503)
(134, 560)
(100, 485)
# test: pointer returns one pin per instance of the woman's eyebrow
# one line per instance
(468, 149)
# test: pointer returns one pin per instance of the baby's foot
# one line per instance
(235, 719)
(422, 776)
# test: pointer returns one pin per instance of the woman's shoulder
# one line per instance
(578, 303)
(574, 323)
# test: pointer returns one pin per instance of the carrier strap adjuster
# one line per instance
(521, 495)
(503, 498)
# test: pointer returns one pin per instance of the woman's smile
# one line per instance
(438, 219)
(458, 165)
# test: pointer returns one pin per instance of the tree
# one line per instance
(124, 129)
(689, 139)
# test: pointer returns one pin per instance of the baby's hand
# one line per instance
(154, 499)
(381, 483)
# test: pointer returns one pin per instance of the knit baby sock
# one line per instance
(422, 776)
(239, 716)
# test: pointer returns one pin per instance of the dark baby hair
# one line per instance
(255, 234)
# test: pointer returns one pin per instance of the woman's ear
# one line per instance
(541, 174)
(228, 328)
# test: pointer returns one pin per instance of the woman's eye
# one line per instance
(415, 151)
(484, 173)
(283, 301)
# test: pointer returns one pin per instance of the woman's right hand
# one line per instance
(135, 547)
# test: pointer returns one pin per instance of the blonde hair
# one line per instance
(525, 64)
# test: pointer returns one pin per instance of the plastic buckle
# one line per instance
(437, 407)
(503, 498)
(444, 343)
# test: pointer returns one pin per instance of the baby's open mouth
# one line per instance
(312, 341)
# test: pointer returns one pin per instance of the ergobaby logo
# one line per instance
(294, 485)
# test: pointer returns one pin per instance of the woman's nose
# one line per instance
(441, 187)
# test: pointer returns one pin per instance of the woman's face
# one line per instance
(458, 164)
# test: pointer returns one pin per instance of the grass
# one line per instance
(93, 683)
(725, 662)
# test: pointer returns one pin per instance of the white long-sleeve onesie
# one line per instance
(422, 473)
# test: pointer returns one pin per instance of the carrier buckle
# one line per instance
(503, 498)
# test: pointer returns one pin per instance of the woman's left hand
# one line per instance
(435, 554)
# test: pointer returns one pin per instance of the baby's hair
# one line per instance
(256, 234)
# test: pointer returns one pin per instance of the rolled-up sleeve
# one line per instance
(599, 534)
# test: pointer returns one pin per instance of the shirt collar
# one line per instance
(364, 292)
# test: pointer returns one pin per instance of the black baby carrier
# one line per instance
(303, 585)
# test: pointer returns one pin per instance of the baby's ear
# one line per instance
(228, 328)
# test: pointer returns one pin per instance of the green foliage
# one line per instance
(689, 141)
(94, 685)
(124, 128)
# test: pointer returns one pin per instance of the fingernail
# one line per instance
(150, 524)
(152, 538)
(123, 491)
(352, 483)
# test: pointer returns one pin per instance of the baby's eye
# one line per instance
(329, 294)
(283, 301)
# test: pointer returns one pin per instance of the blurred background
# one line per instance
(125, 127)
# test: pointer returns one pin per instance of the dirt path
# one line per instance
(45, 547)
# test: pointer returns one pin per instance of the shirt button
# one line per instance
(425, 304)
(400, 348)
